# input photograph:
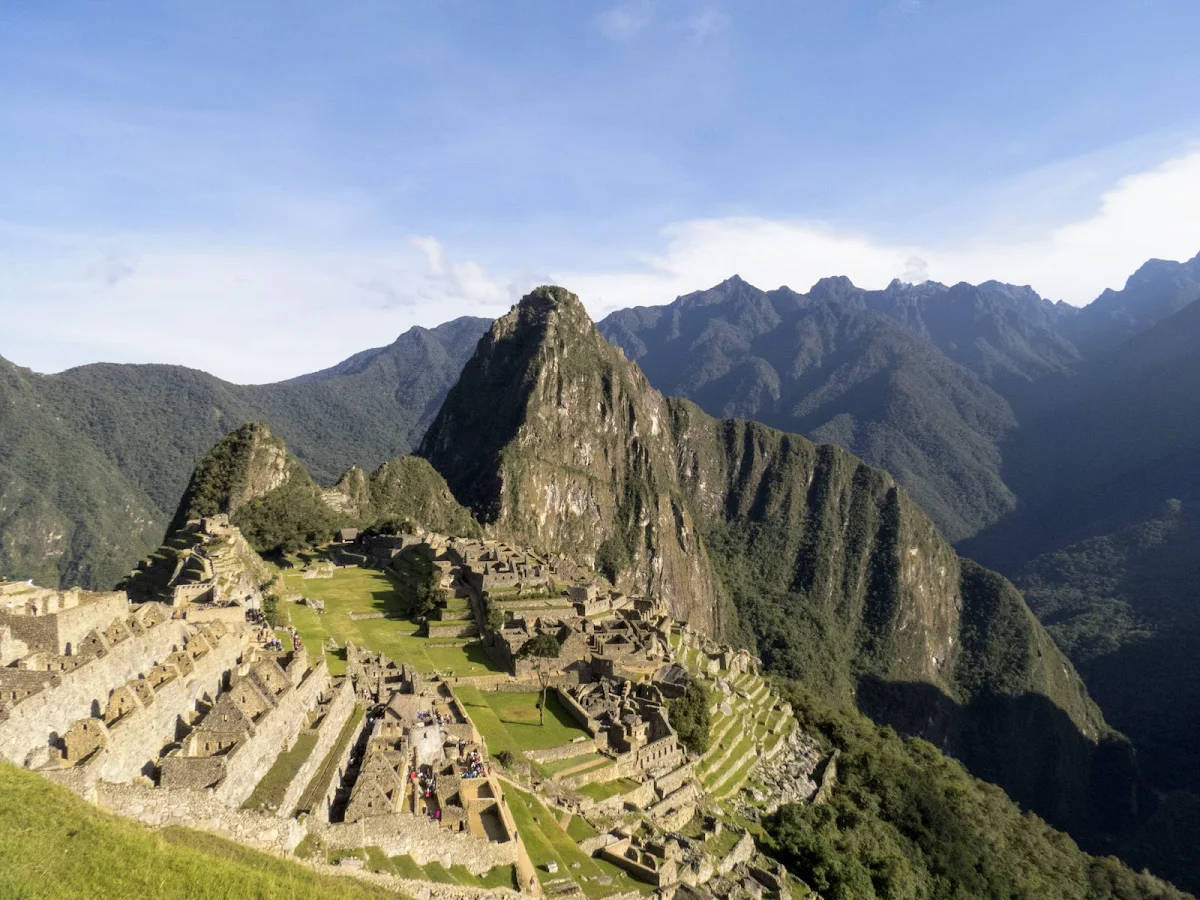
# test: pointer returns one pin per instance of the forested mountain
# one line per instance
(831, 367)
(93, 449)
(1097, 461)
(551, 437)
(1056, 445)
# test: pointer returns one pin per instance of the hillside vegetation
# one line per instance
(55, 845)
(95, 459)
(821, 562)
(268, 494)
(905, 821)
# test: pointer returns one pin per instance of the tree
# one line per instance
(541, 648)
(689, 716)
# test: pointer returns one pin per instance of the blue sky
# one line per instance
(327, 174)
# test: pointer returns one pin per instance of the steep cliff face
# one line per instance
(554, 439)
(837, 535)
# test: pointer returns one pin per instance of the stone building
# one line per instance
(259, 715)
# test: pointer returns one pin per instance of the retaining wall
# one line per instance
(418, 837)
(134, 740)
(340, 708)
(320, 811)
(550, 754)
(198, 809)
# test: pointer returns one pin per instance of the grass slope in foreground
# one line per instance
(54, 845)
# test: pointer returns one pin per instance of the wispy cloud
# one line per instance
(245, 314)
(254, 313)
(706, 23)
(1150, 214)
(625, 20)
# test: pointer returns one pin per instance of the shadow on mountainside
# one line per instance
(1025, 744)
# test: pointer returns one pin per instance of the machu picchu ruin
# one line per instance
(665, 655)
(225, 701)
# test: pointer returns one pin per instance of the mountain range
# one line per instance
(95, 459)
(552, 439)
(1052, 443)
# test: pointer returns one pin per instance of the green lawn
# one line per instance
(561, 765)
(546, 840)
(602, 790)
(580, 829)
(54, 845)
(353, 589)
(270, 791)
(509, 721)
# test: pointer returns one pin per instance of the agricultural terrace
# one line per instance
(357, 590)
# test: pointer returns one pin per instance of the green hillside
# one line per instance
(903, 820)
(55, 845)
(92, 451)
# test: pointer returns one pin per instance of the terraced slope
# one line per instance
(755, 728)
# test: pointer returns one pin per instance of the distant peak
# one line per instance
(832, 287)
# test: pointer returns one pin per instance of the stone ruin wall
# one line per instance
(11, 648)
(673, 781)
(340, 708)
(136, 738)
(566, 751)
(25, 735)
(320, 811)
(275, 733)
(159, 807)
(586, 722)
(68, 625)
(425, 841)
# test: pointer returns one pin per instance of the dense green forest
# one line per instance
(905, 821)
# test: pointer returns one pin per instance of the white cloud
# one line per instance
(250, 313)
(765, 252)
(247, 315)
(1150, 214)
(622, 22)
(706, 23)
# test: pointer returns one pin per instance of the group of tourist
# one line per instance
(475, 766)
(432, 718)
(424, 784)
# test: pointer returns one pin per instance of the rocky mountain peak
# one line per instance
(245, 465)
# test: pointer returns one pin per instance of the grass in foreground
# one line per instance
(355, 590)
(54, 845)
